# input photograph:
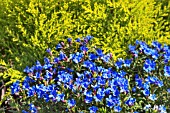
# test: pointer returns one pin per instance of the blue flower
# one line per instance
(56, 60)
(134, 89)
(29, 70)
(48, 75)
(151, 80)
(38, 66)
(15, 87)
(88, 99)
(88, 93)
(157, 45)
(48, 50)
(146, 92)
(60, 97)
(85, 85)
(23, 111)
(130, 101)
(37, 74)
(95, 87)
(154, 80)
(78, 40)
(89, 37)
(160, 83)
(71, 103)
(137, 77)
(93, 109)
(152, 97)
(114, 74)
(69, 70)
(32, 108)
(84, 48)
(59, 46)
(80, 75)
(124, 88)
(165, 48)
(122, 73)
(99, 69)
(46, 60)
(167, 71)
(115, 91)
(62, 56)
(106, 74)
(119, 63)
(117, 109)
(162, 109)
(132, 48)
(106, 58)
(101, 81)
(146, 85)
(46, 97)
(31, 91)
(99, 52)
(53, 94)
(89, 64)
(127, 62)
(166, 61)
(89, 96)
(137, 42)
(25, 84)
(167, 56)
(108, 91)
(100, 94)
(76, 57)
(28, 79)
(168, 90)
(69, 40)
(123, 84)
(149, 65)
(147, 50)
(112, 101)
(51, 87)
(143, 45)
(40, 90)
(92, 56)
(64, 77)
(47, 64)
(154, 54)
(147, 107)
(138, 82)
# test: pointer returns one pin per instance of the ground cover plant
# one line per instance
(79, 77)
(28, 27)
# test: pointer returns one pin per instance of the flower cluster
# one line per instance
(79, 78)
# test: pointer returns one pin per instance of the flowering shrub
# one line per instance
(80, 78)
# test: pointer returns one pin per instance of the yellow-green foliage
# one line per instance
(9, 75)
(31, 26)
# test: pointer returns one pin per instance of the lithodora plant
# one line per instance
(78, 77)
